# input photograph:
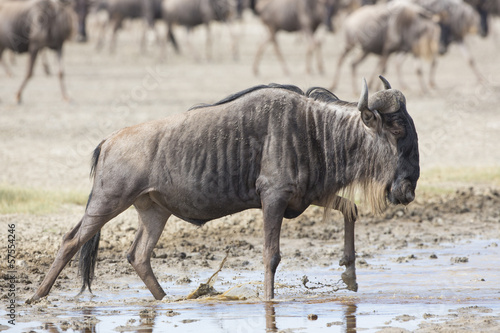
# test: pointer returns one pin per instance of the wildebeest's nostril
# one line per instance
(410, 196)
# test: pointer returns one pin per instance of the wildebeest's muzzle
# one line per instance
(402, 189)
(401, 192)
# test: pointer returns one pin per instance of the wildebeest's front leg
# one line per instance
(29, 73)
(314, 47)
(6, 68)
(273, 209)
(61, 75)
(152, 219)
(208, 46)
(350, 212)
(472, 64)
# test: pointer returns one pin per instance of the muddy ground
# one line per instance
(46, 143)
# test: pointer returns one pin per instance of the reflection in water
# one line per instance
(148, 317)
(350, 317)
(270, 317)
(51, 328)
(85, 324)
(89, 323)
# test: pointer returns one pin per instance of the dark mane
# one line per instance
(326, 96)
(322, 95)
(237, 95)
(316, 93)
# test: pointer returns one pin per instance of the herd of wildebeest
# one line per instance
(273, 147)
(422, 28)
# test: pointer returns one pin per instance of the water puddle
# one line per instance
(409, 289)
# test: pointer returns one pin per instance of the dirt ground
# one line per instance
(46, 143)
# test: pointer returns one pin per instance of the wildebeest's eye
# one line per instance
(396, 129)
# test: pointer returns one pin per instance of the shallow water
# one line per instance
(397, 289)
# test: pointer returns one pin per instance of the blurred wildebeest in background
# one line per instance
(291, 16)
(192, 13)
(457, 19)
(396, 27)
(30, 26)
(485, 9)
(120, 10)
(270, 147)
(81, 8)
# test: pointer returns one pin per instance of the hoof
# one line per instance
(33, 300)
(349, 278)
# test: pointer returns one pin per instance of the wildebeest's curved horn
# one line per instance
(363, 99)
(386, 101)
(386, 83)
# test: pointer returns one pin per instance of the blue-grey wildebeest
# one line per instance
(30, 26)
(384, 29)
(193, 13)
(81, 8)
(293, 15)
(485, 9)
(149, 11)
(270, 147)
(458, 19)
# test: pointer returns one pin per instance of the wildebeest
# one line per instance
(270, 147)
(384, 29)
(291, 16)
(119, 10)
(81, 8)
(485, 9)
(30, 26)
(192, 13)
(457, 20)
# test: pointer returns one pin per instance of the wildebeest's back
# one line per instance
(282, 14)
(188, 13)
(14, 34)
(38, 22)
(369, 18)
(206, 163)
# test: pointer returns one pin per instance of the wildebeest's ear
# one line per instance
(369, 118)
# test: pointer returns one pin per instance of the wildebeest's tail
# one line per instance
(95, 159)
(88, 252)
(88, 260)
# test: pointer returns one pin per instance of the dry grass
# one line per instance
(437, 181)
(448, 180)
(36, 201)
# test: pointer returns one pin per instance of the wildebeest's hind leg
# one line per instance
(152, 219)
(350, 212)
(72, 242)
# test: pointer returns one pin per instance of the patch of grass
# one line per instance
(448, 180)
(35, 201)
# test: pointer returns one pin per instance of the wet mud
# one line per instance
(419, 269)
(432, 266)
